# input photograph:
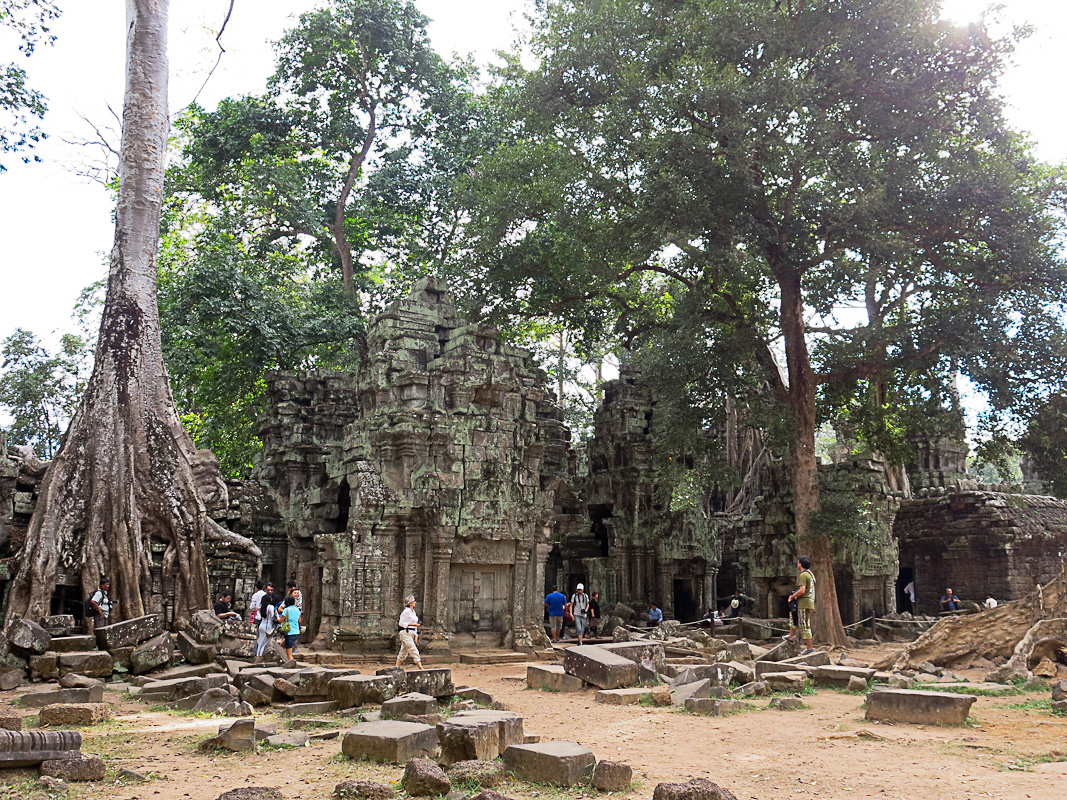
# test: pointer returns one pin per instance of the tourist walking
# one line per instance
(805, 600)
(267, 623)
(554, 602)
(594, 614)
(289, 625)
(254, 603)
(408, 629)
(580, 611)
(98, 608)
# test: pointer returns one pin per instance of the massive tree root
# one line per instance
(1009, 631)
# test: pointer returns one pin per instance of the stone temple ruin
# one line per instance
(441, 468)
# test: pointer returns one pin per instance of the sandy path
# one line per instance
(761, 755)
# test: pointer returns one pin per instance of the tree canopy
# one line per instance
(19, 102)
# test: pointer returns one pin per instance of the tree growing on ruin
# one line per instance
(122, 485)
(827, 184)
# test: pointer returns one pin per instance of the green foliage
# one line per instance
(40, 390)
(19, 103)
(1045, 444)
(723, 176)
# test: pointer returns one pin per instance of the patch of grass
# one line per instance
(1025, 763)
(972, 690)
(1032, 704)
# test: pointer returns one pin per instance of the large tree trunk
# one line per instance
(122, 483)
(803, 466)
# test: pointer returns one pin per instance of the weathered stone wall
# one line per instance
(761, 552)
(980, 542)
(633, 548)
(440, 470)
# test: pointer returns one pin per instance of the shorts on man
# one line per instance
(556, 623)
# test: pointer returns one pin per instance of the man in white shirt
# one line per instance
(580, 611)
(408, 628)
(990, 602)
(255, 603)
(99, 606)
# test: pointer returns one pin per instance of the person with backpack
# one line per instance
(268, 605)
(98, 607)
(289, 625)
(805, 601)
(580, 610)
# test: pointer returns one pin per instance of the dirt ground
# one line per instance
(826, 750)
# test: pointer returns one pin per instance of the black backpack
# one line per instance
(88, 609)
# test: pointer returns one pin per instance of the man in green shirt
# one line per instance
(805, 597)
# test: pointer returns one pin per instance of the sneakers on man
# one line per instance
(786, 639)
(808, 652)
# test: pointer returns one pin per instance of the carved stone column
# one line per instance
(711, 589)
(520, 607)
(541, 560)
(665, 588)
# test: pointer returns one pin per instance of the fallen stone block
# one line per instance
(12, 679)
(786, 703)
(661, 696)
(756, 689)
(29, 636)
(647, 674)
(254, 697)
(560, 763)
(283, 690)
(684, 676)
(413, 703)
(53, 786)
(743, 673)
(687, 691)
(72, 644)
(623, 697)
(467, 739)
(188, 671)
(30, 748)
(194, 652)
(612, 776)
(205, 627)
(857, 684)
(288, 739)
(1059, 691)
(695, 789)
(44, 667)
(239, 736)
(486, 774)
(75, 714)
(325, 707)
(918, 707)
(509, 724)
(92, 664)
(75, 769)
(390, 741)
(177, 688)
(786, 681)
(154, 653)
(840, 676)
(130, 632)
(553, 678)
(436, 682)
(897, 681)
(600, 667)
(9, 720)
(638, 651)
(261, 732)
(817, 659)
(236, 646)
(475, 695)
(59, 624)
(93, 694)
(252, 793)
(714, 706)
(131, 776)
(312, 685)
(764, 668)
(352, 691)
(1059, 706)
(73, 680)
(362, 790)
(424, 778)
(214, 701)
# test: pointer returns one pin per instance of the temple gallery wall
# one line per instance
(442, 469)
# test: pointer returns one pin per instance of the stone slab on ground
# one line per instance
(94, 694)
(743, 673)
(239, 736)
(30, 748)
(252, 793)
(75, 714)
(468, 739)
(288, 739)
(424, 778)
(508, 722)
(300, 709)
(839, 676)
(817, 659)
(92, 663)
(130, 632)
(767, 667)
(600, 667)
(786, 681)
(44, 667)
(362, 790)
(72, 644)
(552, 677)
(694, 789)
(638, 651)
(261, 732)
(686, 691)
(9, 720)
(12, 678)
(390, 741)
(29, 636)
(194, 652)
(714, 706)
(486, 774)
(623, 697)
(786, 703)
(415, 703)
(612, 776)
(177, 688)
(918, 707)
(561, 763)
(351, 691)
(436, 682)
(82, 769)
(156, 652)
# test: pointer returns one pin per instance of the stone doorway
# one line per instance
(685, 600)
(479, 601)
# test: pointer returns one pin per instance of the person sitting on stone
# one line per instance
(990, 602)
(950, 602)
(655, 616)
(222, 608)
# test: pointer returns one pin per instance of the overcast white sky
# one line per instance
(55, 228)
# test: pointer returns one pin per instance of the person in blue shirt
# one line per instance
(655, 616)
(554, 603)
(291, 614)
(950, 602)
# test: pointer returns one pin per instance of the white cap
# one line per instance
(581, 586)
